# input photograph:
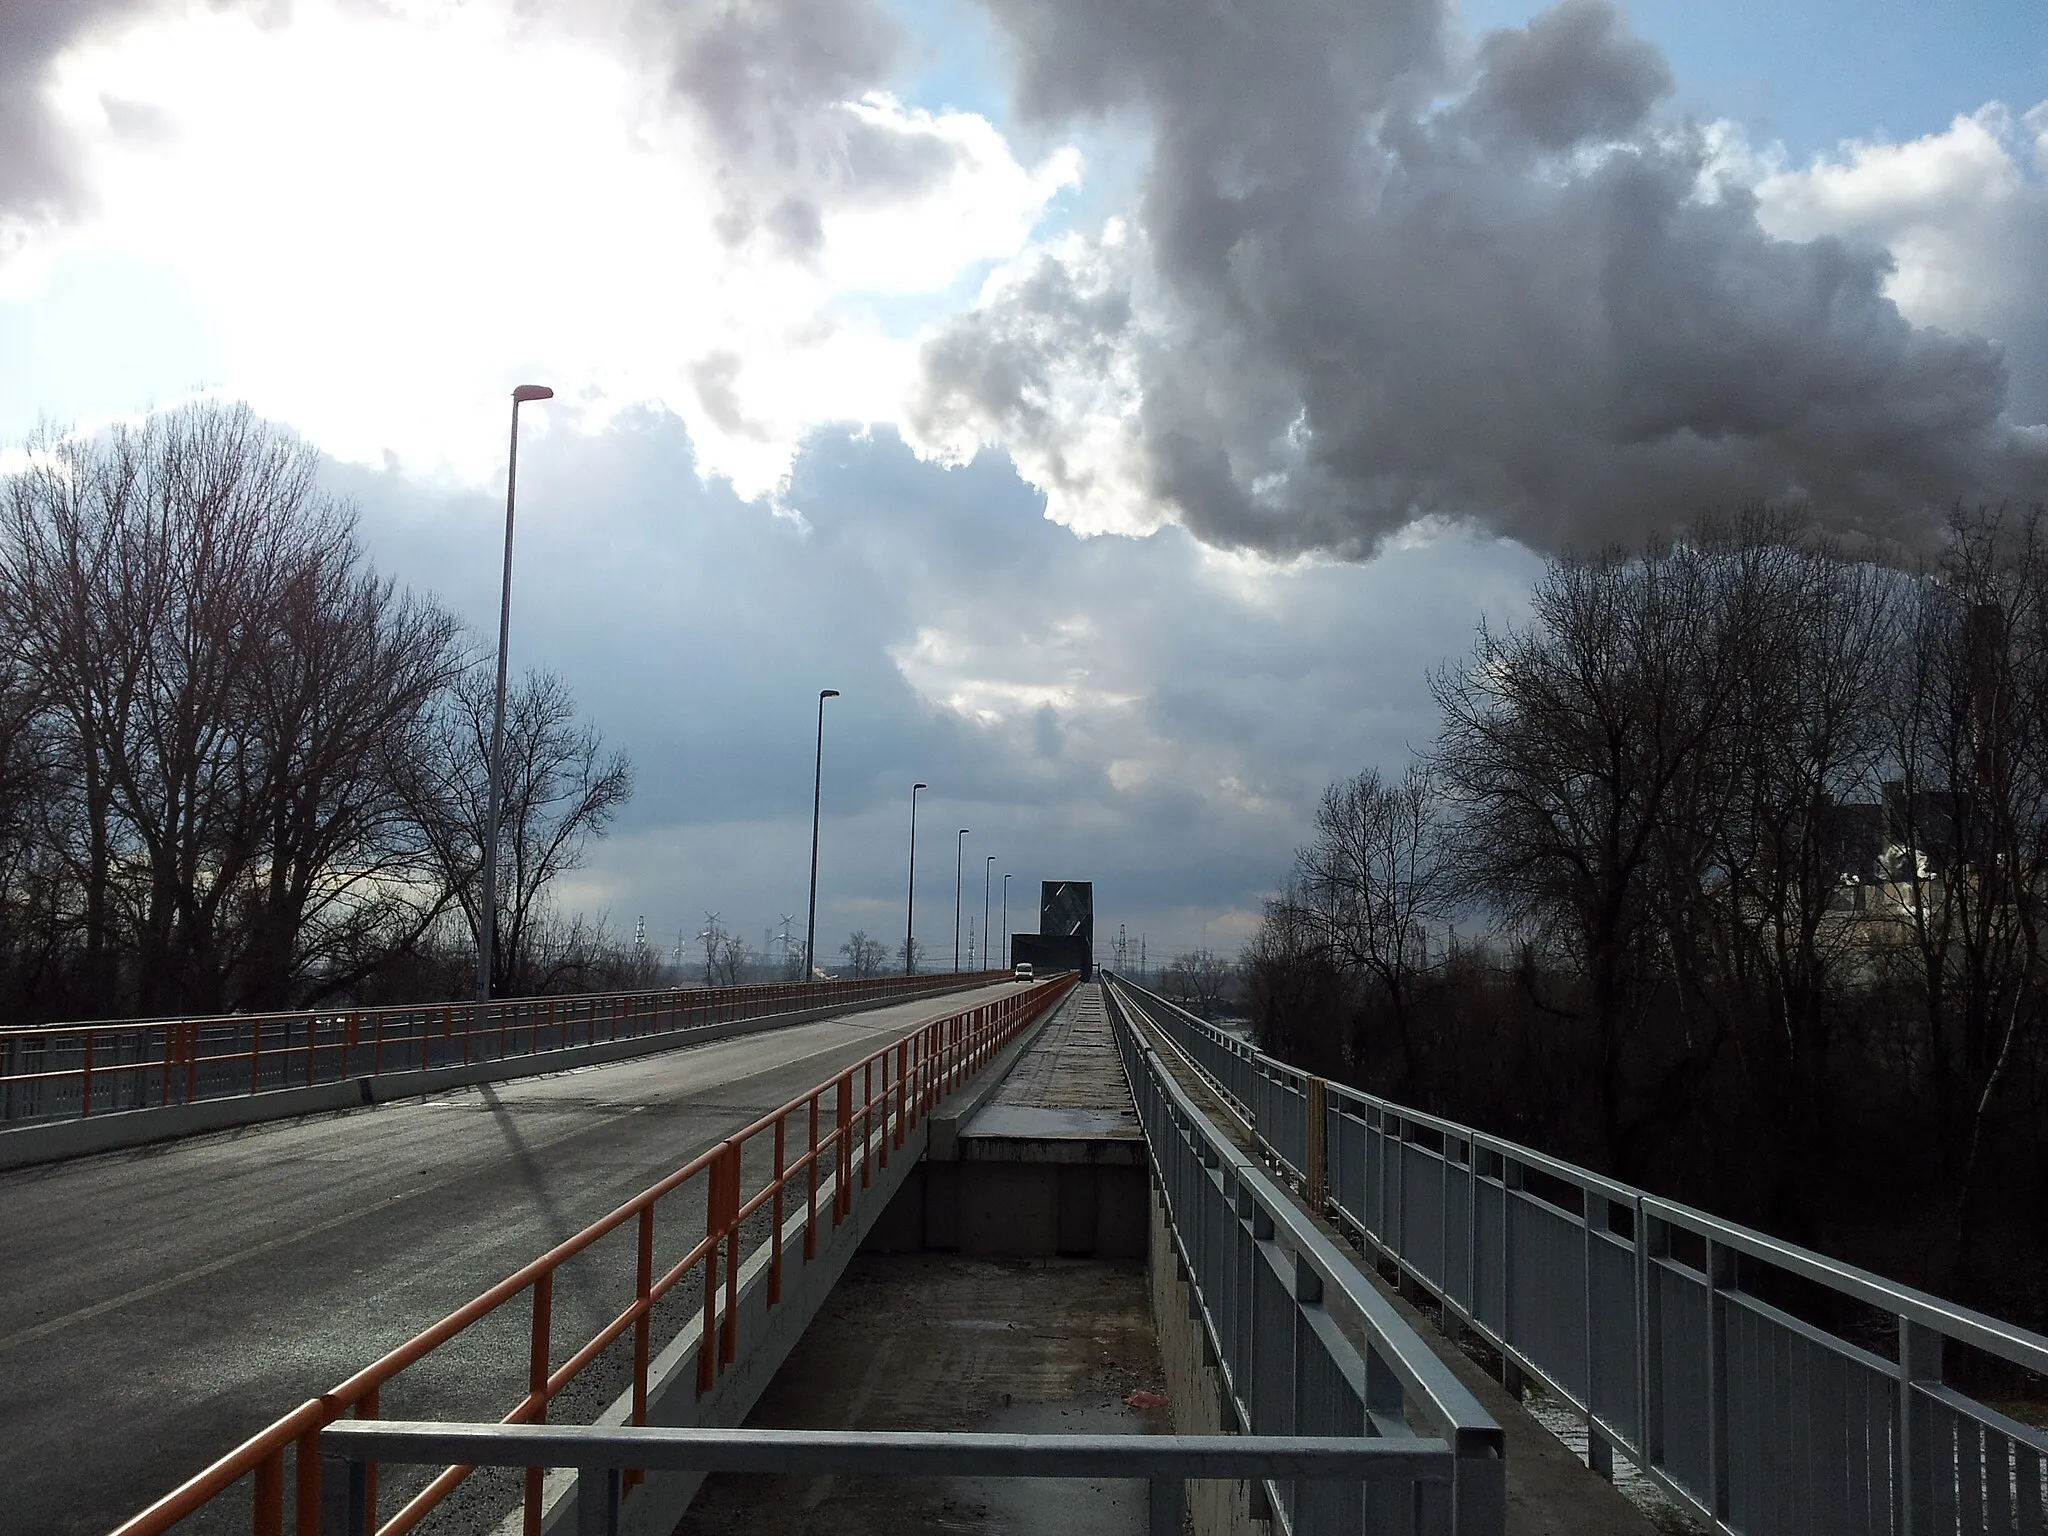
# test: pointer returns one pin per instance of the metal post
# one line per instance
(487, 912)
(597, 1501)
(1167, 1507)
(358, 1498)
(1599, 1453)
(959, 856)
(817, 788)
(988, 874)
(910, 902)
(1720, 1275)
(1006, 922)
(1649, 1342)
(1920, 1351)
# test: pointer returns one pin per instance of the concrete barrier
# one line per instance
(25, 1146)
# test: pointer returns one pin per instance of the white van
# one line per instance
(1023, 970)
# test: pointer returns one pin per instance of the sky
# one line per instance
(1126, 408)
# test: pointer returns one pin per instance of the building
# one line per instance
(1065, 940)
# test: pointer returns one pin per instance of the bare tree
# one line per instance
(1583, 751)
(726, 958)
(1198, 979)
(1376, 880)
(561, 789)
(865, 956)
(1970, 820)
(224, 683)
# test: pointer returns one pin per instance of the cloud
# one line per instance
(1963, 215)
(1573, 74)
(1149, 713)
(1375, 277)
(40, 179)
(383, 215)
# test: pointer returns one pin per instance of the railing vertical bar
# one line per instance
(267, 1515)
(537, 1387)
(811, 1186)
(729, 1336)
(643, 1325)
(775, 1226)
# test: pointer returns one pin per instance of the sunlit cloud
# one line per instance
(386, 219)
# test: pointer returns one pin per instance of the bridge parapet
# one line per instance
(1663, 1327)
(256, 1066)
(1271, 1289)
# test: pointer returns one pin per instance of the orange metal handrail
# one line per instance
(934, 1059)
(137, 1064)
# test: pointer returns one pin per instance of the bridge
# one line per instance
(928, 1253)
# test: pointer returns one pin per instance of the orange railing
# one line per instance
(56, 1072)
(871, 1107)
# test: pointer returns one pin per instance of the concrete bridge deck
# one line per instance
(160, 1304)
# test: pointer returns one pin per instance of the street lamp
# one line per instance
(910, 902)
(817, 788)
(1006, 922)
(959, 854)
(487, 922)
(987, 875)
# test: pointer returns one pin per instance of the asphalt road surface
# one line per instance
(158, 1306)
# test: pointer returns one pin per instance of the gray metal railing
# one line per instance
(1656, 1324)
(1271, 1289)
(602, 1455)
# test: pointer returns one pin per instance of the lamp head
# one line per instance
(526, 392)
(916, 787)
(828, 693)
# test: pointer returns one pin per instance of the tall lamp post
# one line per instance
(1006, 922)
(959, 854)
(817, 789)
(910, 902)
(987, 875)
(487, 915)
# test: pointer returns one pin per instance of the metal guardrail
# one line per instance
(1271, 1287)
(54, 1072)
(601, 1457)
(841, 1127)
(1647, 1318)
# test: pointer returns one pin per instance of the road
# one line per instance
(160, 1305)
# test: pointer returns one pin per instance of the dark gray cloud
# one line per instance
(1375, 280)
(1574, 73)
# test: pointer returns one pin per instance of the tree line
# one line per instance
(239, 768)
(1726, 872)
